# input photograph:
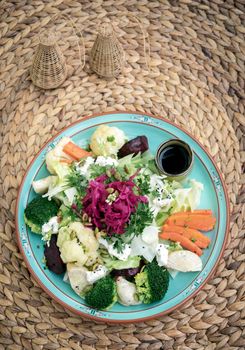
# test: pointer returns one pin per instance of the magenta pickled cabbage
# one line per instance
(111, 215)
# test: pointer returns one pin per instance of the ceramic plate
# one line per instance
(214, 196)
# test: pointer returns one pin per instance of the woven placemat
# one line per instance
(197, 80)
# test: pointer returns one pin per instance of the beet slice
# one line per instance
(52, 255)
(136, 145)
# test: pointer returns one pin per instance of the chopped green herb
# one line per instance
(110, 138)
(142, 218)
(119, 245)
(78, 181)
(143, 182)
(193, 240)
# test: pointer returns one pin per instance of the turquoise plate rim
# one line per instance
(196, 288)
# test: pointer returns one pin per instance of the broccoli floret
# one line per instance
(103, 294)
(152, 283)
(38, 212)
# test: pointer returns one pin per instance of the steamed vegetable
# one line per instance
(77, 244)
(103, 294)
(127, 293)
(136, 145)
(41, 186)
(52, 256)
(116, 264)
(201, 222)
(195, 236)
(187, 198)
(194, 212)
(59, 183)
(184, 242)
(152, 283)
(38, 212)
(106, 140)
(185, 261)
(77, 278)
(57, 154)
(74, 151)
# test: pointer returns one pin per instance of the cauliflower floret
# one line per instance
(127, 293)
(77, 277)
(71, 251)
(56, 154)
(107, 141)
(78, 243)
(88, 240)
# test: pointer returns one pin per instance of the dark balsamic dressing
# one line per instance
(174, 159)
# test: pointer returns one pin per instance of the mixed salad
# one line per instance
(112, 224)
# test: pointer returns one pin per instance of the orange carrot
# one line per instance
(184, 242)
(198, 243)
(75, 151)
(194, 235)
(67, 161)
(196, 221)
(194, 212)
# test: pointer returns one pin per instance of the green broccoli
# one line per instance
(103, 294)
(152, 283)
(38, 212)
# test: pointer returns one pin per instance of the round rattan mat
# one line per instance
(196, 79)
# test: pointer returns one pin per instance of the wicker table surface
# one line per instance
(196, 79)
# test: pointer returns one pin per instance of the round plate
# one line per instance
(214, 197)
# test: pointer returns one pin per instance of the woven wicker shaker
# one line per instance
(107, 55)
(48, 70)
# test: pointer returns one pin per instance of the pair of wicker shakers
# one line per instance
(49, 69)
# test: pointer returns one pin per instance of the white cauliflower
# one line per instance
(106, 140)
(72, 251)
(88, 241)
(56, 154)
(77, 277)
(127, 293)
(77, 244)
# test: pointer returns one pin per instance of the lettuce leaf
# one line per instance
(115, 264)
(187, 198)
(59, 183)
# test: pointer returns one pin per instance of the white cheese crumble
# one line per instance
(121, 256)
(52, 225)
(162, 255)
(49, 228)
(98, 273)
(113, 252)
(83, 170)
(104, 161)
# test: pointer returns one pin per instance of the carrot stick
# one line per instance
(197, 221)
(75, 151)
(188, 233)
(194, 212)
(184, 242)
(198, 243)
(67, 161)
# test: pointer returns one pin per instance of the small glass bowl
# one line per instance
(181, 175)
